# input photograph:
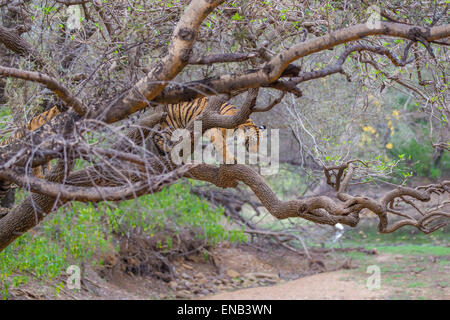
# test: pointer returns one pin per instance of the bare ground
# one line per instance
(246, 272)
(328, 286)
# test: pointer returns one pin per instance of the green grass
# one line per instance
(368, 236)
(416, 285)
(444, 262)
(416, 250)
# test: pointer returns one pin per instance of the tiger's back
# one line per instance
(181, 114)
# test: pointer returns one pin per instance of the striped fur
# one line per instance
(181, 114)
(34, 124)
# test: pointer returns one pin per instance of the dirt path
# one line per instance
(330, 285)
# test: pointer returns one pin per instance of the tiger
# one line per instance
(6, 192)
(181, 114)
(34, 124)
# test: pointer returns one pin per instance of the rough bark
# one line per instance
(165, 70)
(31, 211)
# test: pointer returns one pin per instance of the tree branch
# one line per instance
(273, 69)
(322, 209)
(178, 56)
(51, 83)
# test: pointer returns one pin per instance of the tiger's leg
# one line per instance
(37, 172)
(218, 138)
(228, 157)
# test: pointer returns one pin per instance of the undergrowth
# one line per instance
(79, 233)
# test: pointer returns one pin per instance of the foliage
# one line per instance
(80, 233)
(173, 208)
(289, 182)
(418, 155)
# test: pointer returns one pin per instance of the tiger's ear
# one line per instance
(263, 127)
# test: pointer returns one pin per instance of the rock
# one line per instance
(209, 285)
(185, 276)
(173, 285)
(250, 276)
(205, 292)
(262, 275)
(186, 266)
(267, 281)
(183, 294)
(202, 291)
(233, 273)
(221, 287)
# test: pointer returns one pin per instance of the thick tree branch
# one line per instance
(32, 210)
(66, 192)
(14, 42)
(221, 58)
(165, 70)
(273, 69)
(323, 209)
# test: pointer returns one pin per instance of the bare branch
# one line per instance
(62, 92)
(165, 70)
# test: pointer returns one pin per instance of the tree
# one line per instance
(110, 71)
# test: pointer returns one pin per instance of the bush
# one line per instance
(79, 233)
(419, 158)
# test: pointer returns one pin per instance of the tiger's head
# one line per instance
(252, 135)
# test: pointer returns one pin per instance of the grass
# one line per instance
(416, 250)
(368, 235)
(416, 285)
(408, 270)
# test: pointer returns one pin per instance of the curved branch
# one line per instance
(321, 209)
(93, 194)
(337, 67)
(51, 83)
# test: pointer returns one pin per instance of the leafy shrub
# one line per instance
(419, 158)
(174, 208)
(79, 232)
